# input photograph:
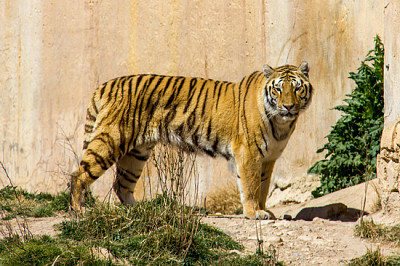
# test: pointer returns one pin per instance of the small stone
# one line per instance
(287, 217)
(305, 238)
(265, 222)
(274, 239)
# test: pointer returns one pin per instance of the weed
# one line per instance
(44, 250)
(375, 258)
(371, 230)
(15, 201)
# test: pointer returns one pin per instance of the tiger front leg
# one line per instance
(79, 184)
(250, 187)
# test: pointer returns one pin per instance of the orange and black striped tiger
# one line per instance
(249, 122)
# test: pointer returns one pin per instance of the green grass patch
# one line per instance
(16, 202)
(155, 232)
(45, 250)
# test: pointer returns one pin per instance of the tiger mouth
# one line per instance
(288, 115)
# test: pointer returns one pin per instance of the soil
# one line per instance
(316, 242)
(297, 242)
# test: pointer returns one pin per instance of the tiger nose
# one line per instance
(288, 106)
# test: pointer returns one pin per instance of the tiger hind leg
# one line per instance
(97, 158)
(129, 169)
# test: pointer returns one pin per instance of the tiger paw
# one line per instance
(261, 215)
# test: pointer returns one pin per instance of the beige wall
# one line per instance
(388, 165)
(54, 54)
(392, 65)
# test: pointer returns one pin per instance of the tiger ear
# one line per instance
(268, 71)
(304, 68)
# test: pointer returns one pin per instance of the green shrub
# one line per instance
(354, 140)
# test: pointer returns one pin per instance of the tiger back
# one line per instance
(248, 122)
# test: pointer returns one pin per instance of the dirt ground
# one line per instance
(316, 242)
(297, 242)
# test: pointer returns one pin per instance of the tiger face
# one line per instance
(287, 91)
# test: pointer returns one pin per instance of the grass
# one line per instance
(225, 200)
(146, 234)
(15, 201)
(163, 230)
(375, 258)
(378, 232)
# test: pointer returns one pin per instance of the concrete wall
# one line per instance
(54, 54)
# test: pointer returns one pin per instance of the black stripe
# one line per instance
(265, 141)
(122, 137)
(219, 94)
(216, 83)
(103, 88)
(94, 106)
(191, 120)
(176, 79)
(250, 79)
(192, 91)
(262, 177)
(85, 144)
(89, 116)
(204, 104)
(244, 123)
(215, 145)
(179, 130)
(99, 159)
(273, 130)
(112, 84)
(175, 91)
(208, 152)
(209, 130)
(195, 138)
(137, 84)
(161, 78)
(132, 178)
(88, 129)
(170, 116)
(138, 110)
(259, 149)
(86, 167)
(120, 184)
(199, 96)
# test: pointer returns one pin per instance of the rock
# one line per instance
(388, 167)
(331, 212)
(287, 217)
(265, 222)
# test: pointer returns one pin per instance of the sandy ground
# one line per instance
(316, 242)
(298, 242)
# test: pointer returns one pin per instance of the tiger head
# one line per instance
(287, 91)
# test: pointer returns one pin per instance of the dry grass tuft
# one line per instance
(225, 200)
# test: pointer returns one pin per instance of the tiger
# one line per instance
(248, 122)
